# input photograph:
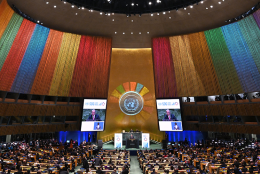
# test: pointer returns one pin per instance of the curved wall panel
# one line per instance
(38, 60)
(224, 60)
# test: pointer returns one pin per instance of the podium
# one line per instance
(138, 139)
(132, 143)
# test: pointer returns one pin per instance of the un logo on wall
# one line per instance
(131, 103)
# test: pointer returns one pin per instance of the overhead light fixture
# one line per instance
(164, 12)
(158, 14)
(150, 3)
(132, 4)
(82, 8)
(191, 6)
(54, 6)
(140, 33)
(151, 14)
(100, 13)
(72, 6)
(185, 8)
(148, 32)
(47, 2)
(115, 32)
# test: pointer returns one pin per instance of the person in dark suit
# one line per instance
(93, 116)
(169, 116)
(99, 171)
(125, 171)
(98, 161)
(131, 136)
(89, 137)
(131, 131)
(85, 163)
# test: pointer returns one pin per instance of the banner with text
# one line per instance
(118, 143)
(145, 140)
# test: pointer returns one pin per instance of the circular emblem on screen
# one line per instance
(131, 103)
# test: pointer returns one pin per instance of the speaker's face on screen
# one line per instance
(93, 112)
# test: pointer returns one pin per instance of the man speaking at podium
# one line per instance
(132, 137)
(93, 116)
(169, 116)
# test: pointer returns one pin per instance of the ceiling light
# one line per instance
(132, 4)
(113, 19)
(54, 6)
(151, 14)
(100, 13)
(191, 6)
(140, 33)
(150, 3)
(82, 8)
(41, 23)
(202, 2)
(170, 17)
(185, 8)
(64, 2)
(132, 33)
(38, 21)
(132, 20)
(123, 32)
(47, 2)
(113, 13)
(207, 8)
(158, 14)
(211, 6)
(147, 32)
(219, 2)
(164, 12)
(108, 14)
(76, 13)
(72, 6)
(188, 13)
(91, 10)
(115, 32)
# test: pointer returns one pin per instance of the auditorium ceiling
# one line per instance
(133, 31)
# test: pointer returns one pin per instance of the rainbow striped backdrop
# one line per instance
(224, 60)
(38, 60)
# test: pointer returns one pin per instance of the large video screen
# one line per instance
(169, 114)
(93, 115)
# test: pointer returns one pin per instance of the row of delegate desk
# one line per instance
(45, 164)
(203, 164)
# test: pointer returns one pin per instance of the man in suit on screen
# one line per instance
(93, 116)
(169, 116)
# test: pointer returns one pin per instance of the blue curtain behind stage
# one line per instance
(192, 136)
(75, 135)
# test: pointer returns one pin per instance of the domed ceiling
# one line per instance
(134, 25)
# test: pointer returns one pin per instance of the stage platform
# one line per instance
(110, 146)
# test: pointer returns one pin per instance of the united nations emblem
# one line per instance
(131, 103)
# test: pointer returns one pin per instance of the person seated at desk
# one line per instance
(137, 130)
(169, 116)
(131, 131)
(93, 116)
